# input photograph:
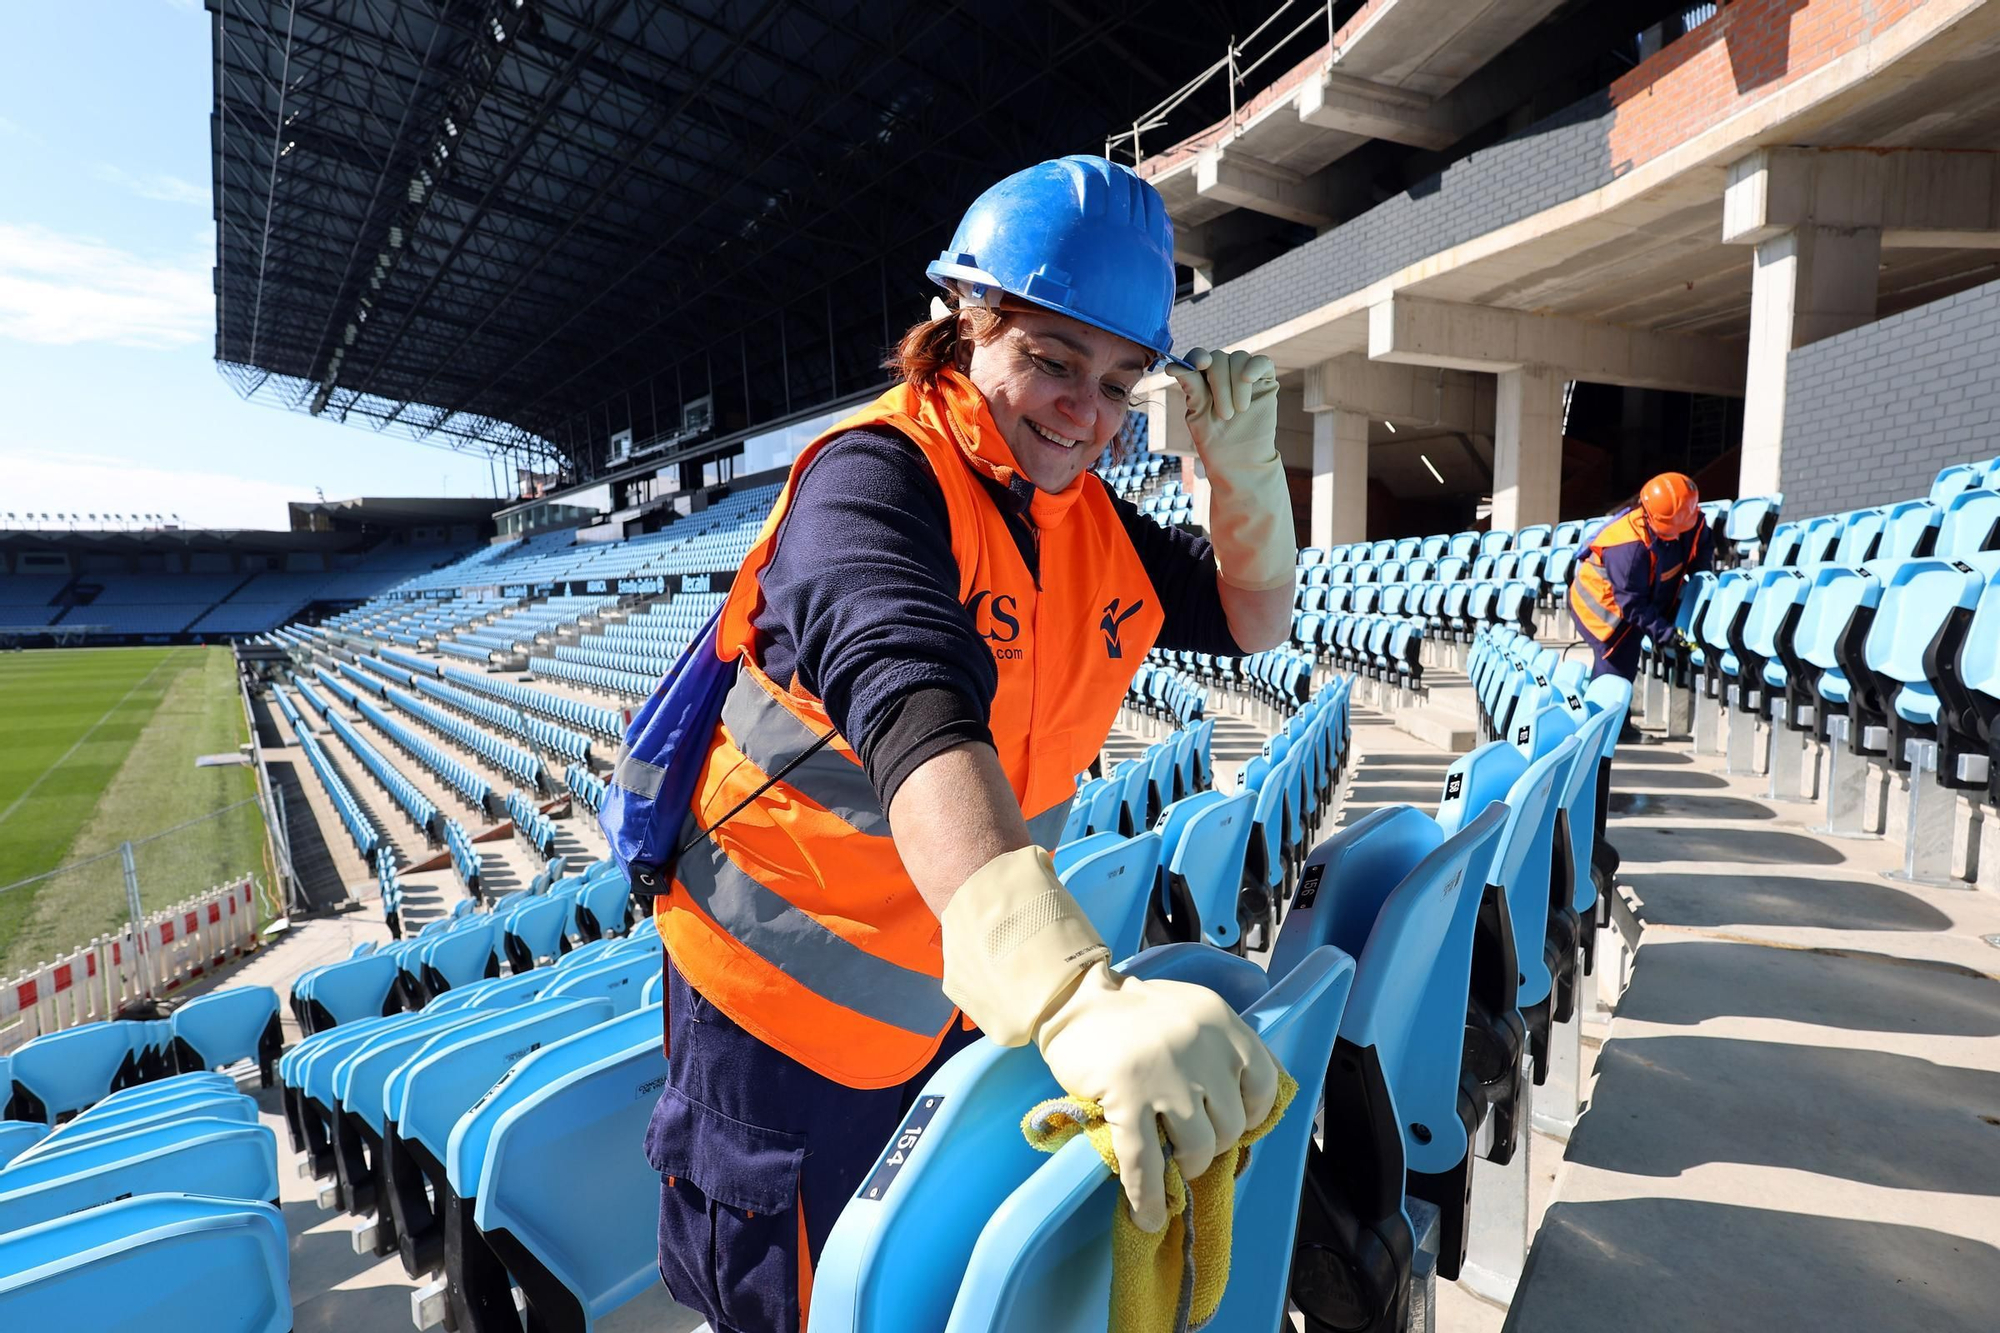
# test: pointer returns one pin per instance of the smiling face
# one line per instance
(1057, 389)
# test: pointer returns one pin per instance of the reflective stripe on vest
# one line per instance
(770, 737)
(1591, 597)
(791, 941)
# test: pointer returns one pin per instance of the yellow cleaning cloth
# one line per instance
(1173, 1281)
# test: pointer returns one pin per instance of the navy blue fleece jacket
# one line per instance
(861, 602)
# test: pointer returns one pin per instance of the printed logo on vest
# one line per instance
(994, 617)
(1114, 621)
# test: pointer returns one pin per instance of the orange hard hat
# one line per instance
(1672, 504)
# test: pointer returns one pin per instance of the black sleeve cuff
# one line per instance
(917, 727)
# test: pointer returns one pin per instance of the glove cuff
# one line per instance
(1015, 943)
(1250, 524)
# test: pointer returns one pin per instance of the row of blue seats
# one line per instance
(401, 790)
(1966, 522)
(1385, 979)
(469, 1155)
(1735, 520)
(1548, 570)
(457, 776)
(464, 857)
(1166, 693)
(367, 841)
(597, 678)
(599, 721)
(531, 825)
(551, 919)
(52, 1077)
(190, 1175)
(588, 789)
(389, 886)
(1132, 797)
(643, 662)
(471, 652)
(508, 758)
(1381, 647)
(1903, 650)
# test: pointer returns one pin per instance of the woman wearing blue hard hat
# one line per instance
(932, 636)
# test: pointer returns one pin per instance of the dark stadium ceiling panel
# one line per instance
(523, 225)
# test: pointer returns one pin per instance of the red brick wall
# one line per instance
(1749, 49)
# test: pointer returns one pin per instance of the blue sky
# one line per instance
(109, 397)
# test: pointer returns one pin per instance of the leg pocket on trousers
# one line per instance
(729, 1229)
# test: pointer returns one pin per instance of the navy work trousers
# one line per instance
(757, 1155)
(1619, 657)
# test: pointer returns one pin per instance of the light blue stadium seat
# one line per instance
(600, 907)
(306, 1074)
(1391, 886)
(480, 1289)
(58, 1074)
(1044, 1260)
(17, 1136)
(355, 1105)
(1950, 482)
(576, 1254)
(1496, 1033)
(157, 1263)
(1909, 529)
(1918, 601)
(213, 1105)
(1971, 523)
(620, 979)
(1077, 824)
(1775, 605)
(1838, 595)
(343, 992)
(195, 1156)
(460, 956)
(438, 1085)
(1067, 854)
(237, 1023)
(1114, 886)
(897, 1254)
(1578, 802)
(509, 991)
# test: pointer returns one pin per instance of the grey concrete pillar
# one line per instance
(1339, 478)
(1527, 447)
(1807, 284)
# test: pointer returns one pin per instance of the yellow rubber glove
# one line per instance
(1145, 1051)
(1232, 416)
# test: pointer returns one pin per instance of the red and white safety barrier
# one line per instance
(154, 958)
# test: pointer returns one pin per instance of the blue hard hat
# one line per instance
(1082, 236)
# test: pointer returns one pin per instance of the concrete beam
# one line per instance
(1904, 192)
(1242, 181)
(1486, 338)
(1336, 101)
(1410, 396)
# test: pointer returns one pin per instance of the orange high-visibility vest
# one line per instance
(1591, 596)
(795, 916)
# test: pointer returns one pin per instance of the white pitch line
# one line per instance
(16, 803)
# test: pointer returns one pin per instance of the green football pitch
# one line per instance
(100, 748)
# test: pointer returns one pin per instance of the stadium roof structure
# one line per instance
(525, 225)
